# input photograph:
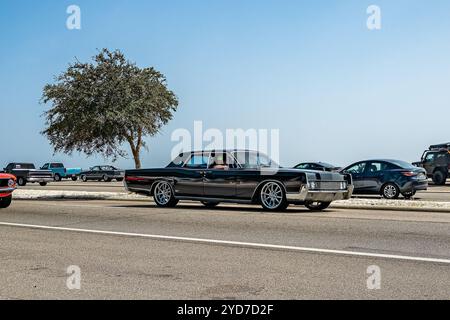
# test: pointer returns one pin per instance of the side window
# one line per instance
(303, 166)
(197, 161)
(375, 167)
(357, 168)
(222, 161)
(430, 157)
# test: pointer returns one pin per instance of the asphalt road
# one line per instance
(435, 193)
(129, 250)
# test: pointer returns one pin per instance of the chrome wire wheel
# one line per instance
(272, 196)
(163, 193)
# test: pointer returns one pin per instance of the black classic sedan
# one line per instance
(388, 178)
(238, 176)
(102, 173)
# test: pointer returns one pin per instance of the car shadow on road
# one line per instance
(235, 208)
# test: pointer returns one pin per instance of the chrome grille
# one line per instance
(327, 185)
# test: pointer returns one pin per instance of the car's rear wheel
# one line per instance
(439, 178)
(22, 182)
(272, 197)
(317, 205)
(84, 178)
(57, 177)
(5, 202)
(210, 204)
(42, 184)
(74, 178)
(409, 195)
(119, 179)
(163, 195)
(390, 191)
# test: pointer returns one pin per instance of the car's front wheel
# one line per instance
(84, 178)
(5, 202)
(272, 197)
(317, 205)
(390, 191)
(106, 178)
(42, 184)
(164, 195)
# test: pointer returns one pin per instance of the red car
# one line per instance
(7, 186)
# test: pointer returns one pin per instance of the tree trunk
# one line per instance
(136, 148)
(136, 157)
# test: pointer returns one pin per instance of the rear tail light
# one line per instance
(409, 173)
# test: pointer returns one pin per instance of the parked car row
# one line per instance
(27, 173)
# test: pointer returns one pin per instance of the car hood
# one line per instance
(6, 176)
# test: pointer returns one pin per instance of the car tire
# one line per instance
(42, 184)
(106, 178)
(317, 205)
(409, 195)
(210, 204)
(57, 177)
(163, 195)
(5, 202)
(74, 178)
(390, 191)
(272, 197)
(439, 178)
(119, 179)
(21, 182)
(84, 178)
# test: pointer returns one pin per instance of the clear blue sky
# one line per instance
(337, 91)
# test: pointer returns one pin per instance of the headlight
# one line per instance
(11, 183)
(312, 185)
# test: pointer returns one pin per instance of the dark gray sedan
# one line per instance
(388, 178)
(102, 173)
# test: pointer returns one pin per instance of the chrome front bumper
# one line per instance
(7, 190)
(306, 195)
(38, 179)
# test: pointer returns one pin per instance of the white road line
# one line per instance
(231, 243)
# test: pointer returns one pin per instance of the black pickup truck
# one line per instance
(26, 172)
(436, 161)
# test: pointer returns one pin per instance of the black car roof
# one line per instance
(323, 164)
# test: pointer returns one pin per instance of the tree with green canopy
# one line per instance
(99, 106)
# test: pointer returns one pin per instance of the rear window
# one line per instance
(403, 164)
(23, 166)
